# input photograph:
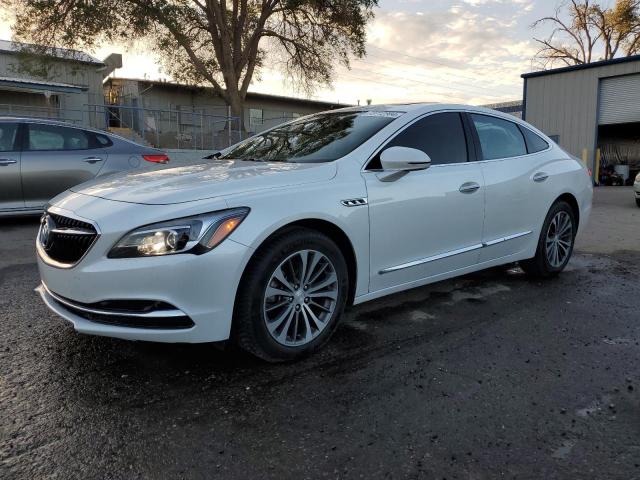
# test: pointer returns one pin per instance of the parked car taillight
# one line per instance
(156, 158)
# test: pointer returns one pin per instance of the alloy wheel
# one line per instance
(559, 239)
(300, 298)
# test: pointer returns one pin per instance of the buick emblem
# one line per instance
(45, 231)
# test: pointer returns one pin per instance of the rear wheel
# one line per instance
(291, 296)
(555, 244)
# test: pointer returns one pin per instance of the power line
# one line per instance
(421, 59)
(429, 84)
(414, 65)
(395, 85)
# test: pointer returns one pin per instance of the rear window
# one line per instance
(102, 141)
(535, 143)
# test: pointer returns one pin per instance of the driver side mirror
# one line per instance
(404, 159)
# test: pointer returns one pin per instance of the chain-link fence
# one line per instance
(167, 128)
(51, 112)
(160, 128)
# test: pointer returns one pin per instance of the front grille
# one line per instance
(65, 240)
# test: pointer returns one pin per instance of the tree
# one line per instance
(217, 42)
(584, 31)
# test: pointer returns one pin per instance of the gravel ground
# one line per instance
(488, 376)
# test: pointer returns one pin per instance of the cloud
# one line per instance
(465, 51)
(468, 52)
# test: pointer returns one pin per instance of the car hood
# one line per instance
(199, 182)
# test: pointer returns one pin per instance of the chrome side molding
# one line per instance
(506, 239)
(452, 253)
(74, 306)
(431, 259)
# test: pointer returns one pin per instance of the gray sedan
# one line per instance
(42, 158)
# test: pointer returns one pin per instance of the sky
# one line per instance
(462, 51)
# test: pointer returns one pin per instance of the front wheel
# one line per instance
(291, 296)
(555, 244)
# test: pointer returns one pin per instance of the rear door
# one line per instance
(55, 158)
(10, 186)
(511, 168)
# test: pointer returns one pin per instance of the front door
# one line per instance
(429, 222)
(54, 159)
(10, 186)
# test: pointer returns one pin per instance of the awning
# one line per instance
(38, 86)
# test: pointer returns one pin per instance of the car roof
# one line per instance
(423, 107)
(61, 123)
(49, 121)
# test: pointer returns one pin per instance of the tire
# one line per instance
(546, 263)
(638, 202)
(276, 317)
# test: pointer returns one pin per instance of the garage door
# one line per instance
(620, 100)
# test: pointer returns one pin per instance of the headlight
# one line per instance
(196, 235)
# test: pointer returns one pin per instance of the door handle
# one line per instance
(92, 160)
(7, 161)
(469, 187)
(540, 177)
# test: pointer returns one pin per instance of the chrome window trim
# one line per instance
(402, 129)
(65, 213)
(73, 306)
(518, 124)
(453, 253)
(468, 112)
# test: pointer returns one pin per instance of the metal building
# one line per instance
(57, 85)
(591, 110)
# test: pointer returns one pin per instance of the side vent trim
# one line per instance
(354, 202)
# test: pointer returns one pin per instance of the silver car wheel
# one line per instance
(559, 239)
(300, 298)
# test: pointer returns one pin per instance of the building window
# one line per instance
(256, 116)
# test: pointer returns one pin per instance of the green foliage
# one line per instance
(210, 41)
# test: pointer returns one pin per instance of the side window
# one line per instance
(8, 133)
(441, 136)
(534, 142)
(102, 141)
(498, 138)
(53, 137)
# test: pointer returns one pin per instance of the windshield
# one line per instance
(319, 138)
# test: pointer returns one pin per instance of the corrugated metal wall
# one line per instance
(620, 100)
(566, 104)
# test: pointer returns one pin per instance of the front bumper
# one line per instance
(200, 288)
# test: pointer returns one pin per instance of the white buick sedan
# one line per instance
(267, 244)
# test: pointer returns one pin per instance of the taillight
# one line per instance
(156, 158)
(590, 172)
